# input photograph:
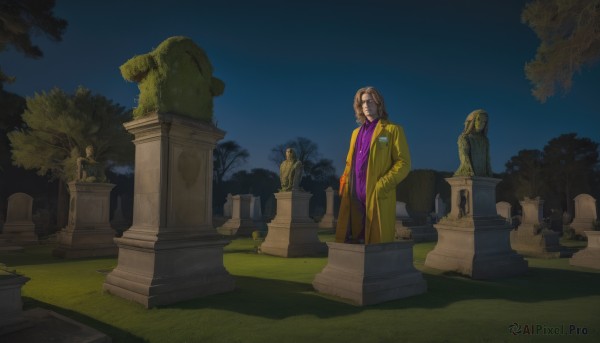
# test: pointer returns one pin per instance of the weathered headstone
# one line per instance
(292, 233)
(228, 206)
(585, 214)
(472, 239)
(255, 210)
(504, 209)
(590, 256)
(88, 232)
(328, 221)
(370, 274)
(171, 252)
(19, 227)
(241, 222)
(531, 238)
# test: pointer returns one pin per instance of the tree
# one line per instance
(58, 128)
(227, 156)
(19, 19)
(570, 163)
(569, 31)
(526, 171)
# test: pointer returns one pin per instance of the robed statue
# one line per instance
(474, 147)
(290, 172)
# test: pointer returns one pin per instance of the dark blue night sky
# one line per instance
(291, 69)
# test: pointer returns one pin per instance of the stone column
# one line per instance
(473, 239)
(88, 232)
(328, 221)
(171, 253)
(292, 233)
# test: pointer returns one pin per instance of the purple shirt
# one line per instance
(361, 158)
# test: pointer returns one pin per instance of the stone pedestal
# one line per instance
(292, 233)
(241, 222)
(585, 214)
(472, 239)
(11, 306)
(530, 238)
(171, 253)
(88, 232)
(19, 228)
(370, 274)
(590, 256)
(328, 222)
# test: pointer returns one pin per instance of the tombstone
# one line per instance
(473, 239)
(590, 256)
(370, 274)
(531, 238)
(408, 228)
(440, 208)
(255, 210)
(292, 233)
(241, 222)
(228, 206)
(328, 221)
(88, 232)
(11, 309)
(504, 210)
(19, 227)
(171, 252)
(585, 214)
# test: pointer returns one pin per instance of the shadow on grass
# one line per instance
(39, 254)
(278, 299)
(116, 334)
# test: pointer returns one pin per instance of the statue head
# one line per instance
(290, 154)
(476, 122)
(89, 151)
(376, 97)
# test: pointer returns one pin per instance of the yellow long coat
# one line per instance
(389, 163)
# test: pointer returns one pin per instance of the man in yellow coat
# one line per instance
(378, 159)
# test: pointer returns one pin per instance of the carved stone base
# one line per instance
(370, 274)
(479, 248)
(590, 256)
(167, 271)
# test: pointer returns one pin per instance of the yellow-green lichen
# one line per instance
(176, 77)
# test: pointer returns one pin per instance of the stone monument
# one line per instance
(241, 222)
(328, 221)
(585, 214)
(590, 256)
(19, 227)
(532, 238)
(473, 239)
(504, 209)
(172, 252)
(88, 232)
(292, 233)
(228, 206)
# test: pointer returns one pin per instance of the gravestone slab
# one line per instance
(228, 206)
(585, 214)
(370, 274)
(328, 222)
(292, 233)
(472, 239)
(590, 256)
(241, 222)
(19, 227)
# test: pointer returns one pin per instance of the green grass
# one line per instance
(274, 302)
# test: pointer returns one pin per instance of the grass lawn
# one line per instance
(274, 302)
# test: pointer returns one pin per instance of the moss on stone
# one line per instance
(176, 77)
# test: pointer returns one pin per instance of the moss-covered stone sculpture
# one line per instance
(176, 77)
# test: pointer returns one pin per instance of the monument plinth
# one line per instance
(88, 232)
(473, 239)
(292, 233)
(370, 274)
(171, 252)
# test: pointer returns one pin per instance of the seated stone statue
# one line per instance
(88, 169)
(290, 172)
(474, 147)
(176, 78)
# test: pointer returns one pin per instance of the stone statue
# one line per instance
(474, 147)
(176, 77)
(88, 169)
(290, 172)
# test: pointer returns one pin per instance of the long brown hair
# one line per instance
(358, 112)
